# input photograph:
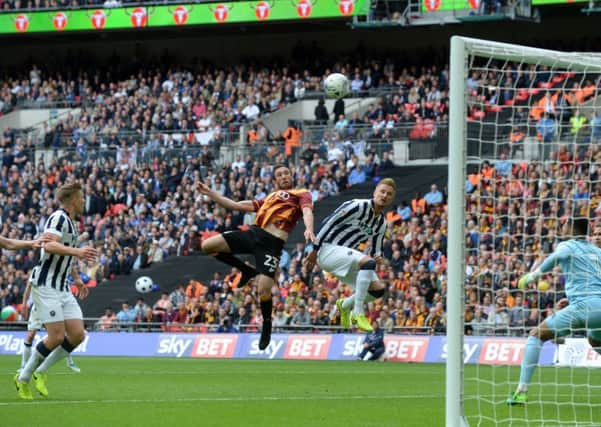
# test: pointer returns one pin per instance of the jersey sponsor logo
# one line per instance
(502, 351)
(283, 195)
(215, 346)
(174, 345)
(307, 347)
(406, 349)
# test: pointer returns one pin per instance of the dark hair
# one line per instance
(278, 166)
(580, 227)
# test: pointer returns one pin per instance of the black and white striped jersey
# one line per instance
(354, 222)
(53, 269)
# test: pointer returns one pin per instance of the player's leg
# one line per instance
(344, 264)
(27, 343)
(265, 283)
(71, 364)
(377, 353)
(267, 249)
(42, 351)
(365, 277)
(33, 325)
(74, 334)
(593, 323)
(49, 311)
(557, 325)
(220, 246)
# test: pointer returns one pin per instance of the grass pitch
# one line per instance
(175, 392)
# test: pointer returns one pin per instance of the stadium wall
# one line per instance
(399, 348)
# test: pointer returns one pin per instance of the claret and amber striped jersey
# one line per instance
(282, 208)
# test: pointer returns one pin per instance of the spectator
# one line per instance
(106, 320)
(357, 176)
(373, 346)
(433, 197)
(301, 317)
(127, 314)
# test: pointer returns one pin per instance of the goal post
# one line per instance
(481, 127)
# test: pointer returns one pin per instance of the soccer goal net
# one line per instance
(524, 159)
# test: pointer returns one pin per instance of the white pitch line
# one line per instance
(219, 399)
(230, 372)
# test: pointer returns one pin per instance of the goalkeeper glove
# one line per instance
(527, 278)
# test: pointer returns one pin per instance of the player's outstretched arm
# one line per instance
(308, 220)
(53, 246)
(547, 265)
(24, 307)
(15, 244)
(82, 290)
(244, 205)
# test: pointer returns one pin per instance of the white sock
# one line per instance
(348, 302)
(364, 279)
(26, 354)
(368, 355)
(58, 354)
(34, 361)
(70, 360)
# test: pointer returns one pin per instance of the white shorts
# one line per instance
(340, 261)
(34, 323)
(54, 306)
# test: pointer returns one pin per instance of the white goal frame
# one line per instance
(461, 49)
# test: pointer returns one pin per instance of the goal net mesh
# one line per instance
(533, 145)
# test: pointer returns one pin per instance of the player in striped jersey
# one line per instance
(580, 262)
(355, 222)
(56, 307)
(277, 215)
(29, 313)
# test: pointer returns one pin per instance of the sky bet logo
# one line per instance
(274, 349)
(174, 345)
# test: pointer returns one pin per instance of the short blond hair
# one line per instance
(387, 181)
(65, 192)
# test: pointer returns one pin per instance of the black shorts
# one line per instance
(266, 247)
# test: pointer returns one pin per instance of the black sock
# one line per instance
(266, 308)
(42, 349)
(230, 259)
(67, 345)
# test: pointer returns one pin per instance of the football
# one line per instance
(337, 86)
(144, 284)
(9, 314)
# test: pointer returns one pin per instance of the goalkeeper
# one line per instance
(580, 262)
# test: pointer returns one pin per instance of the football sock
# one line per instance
(26, 354)
(37, 357)
(348, 302)
(364, 279)
(56, 355)
(529, 362)
(266, 309)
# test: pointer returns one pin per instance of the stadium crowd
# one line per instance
(195, 104)
(142, 205)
